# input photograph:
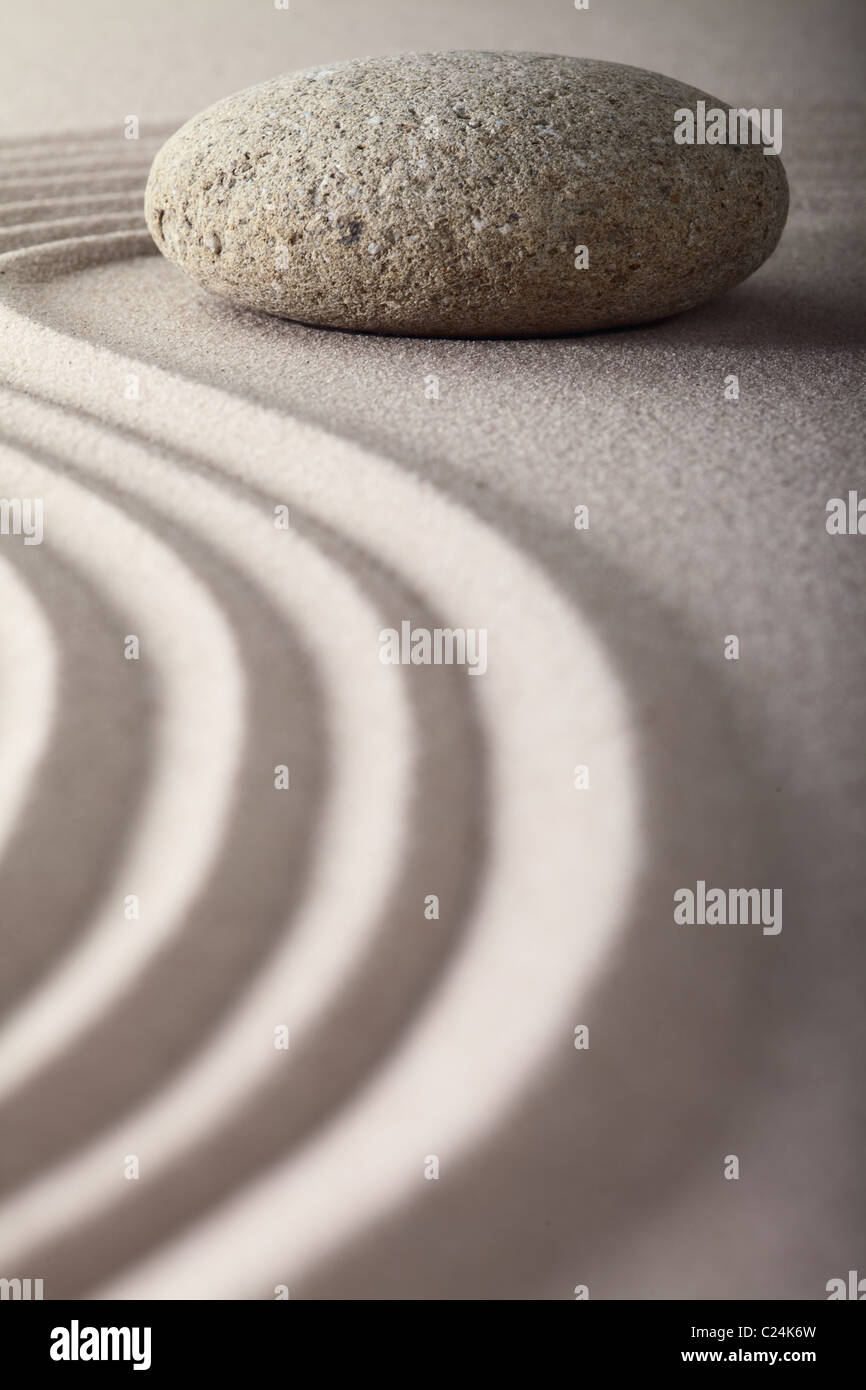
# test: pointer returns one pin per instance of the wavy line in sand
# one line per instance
(546, 850)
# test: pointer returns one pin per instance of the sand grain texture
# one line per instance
(434, 480)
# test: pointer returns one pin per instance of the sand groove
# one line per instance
(404, 783)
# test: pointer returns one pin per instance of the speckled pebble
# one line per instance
(447, 194)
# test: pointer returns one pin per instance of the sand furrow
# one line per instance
(187, 647)
(84, 141)
(301, 466)
(16, 190)
(123, 155)
(21, 234)
(77, 205)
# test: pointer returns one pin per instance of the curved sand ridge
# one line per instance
(154, 1037)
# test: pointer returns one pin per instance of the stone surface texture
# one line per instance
(444, 194)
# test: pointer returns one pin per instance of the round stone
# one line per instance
(467, 195)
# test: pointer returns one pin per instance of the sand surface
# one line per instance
(434, 481)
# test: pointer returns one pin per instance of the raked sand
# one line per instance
(434, 481)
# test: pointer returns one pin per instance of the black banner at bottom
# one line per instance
(164, 1339)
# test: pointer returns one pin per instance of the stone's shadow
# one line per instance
(783, 313)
